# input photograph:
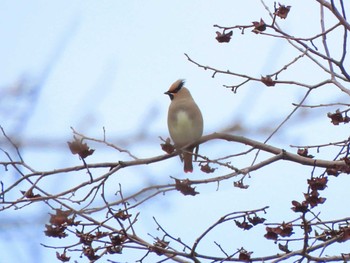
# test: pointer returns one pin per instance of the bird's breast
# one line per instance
(183, 129)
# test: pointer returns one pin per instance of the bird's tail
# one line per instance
(187, 157)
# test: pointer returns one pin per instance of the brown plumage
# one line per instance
(185, 121)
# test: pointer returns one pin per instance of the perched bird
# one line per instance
(185, 121)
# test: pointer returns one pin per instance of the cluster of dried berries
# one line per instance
(247, 223)
(90, 253)
(122, 215)
(62, 257)
(318, 183)
(207, 169)
(117, 242)
(87, 238)
(223, 37)
(284, 230)
(268, 81)
(184, 186)
(259, 26)
(168, 147)
(335, 170)
(305, 153)
(342, 234)
(281, 11)
(244, 225)
(30, 194)
(240, 184)
(62, 219)
(59, 223)
(252, 221)
(158, 246)
(338, 117)
(80, 148)
(312, 198)
(284, 248)
(244, 255)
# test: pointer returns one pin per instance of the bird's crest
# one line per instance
(176, 86)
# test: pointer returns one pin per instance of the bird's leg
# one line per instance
(196, 152)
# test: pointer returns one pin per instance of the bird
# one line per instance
(185, 121)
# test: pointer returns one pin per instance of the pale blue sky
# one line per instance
(107, 64)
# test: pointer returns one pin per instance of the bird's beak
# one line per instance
(171, 96)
